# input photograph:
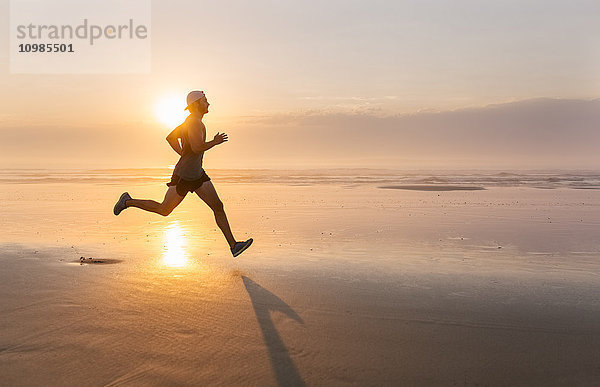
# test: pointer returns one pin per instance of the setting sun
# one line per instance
(169, 111)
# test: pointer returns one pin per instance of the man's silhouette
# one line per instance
(189, 176)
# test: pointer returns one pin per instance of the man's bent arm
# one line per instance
(174, 142)
(204, 146)
(199, 145)
(197, 137)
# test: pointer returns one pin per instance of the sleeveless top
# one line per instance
(189, 166)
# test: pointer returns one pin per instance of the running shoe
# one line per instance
(240, 247)
(120, 206)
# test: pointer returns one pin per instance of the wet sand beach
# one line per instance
(346, 283)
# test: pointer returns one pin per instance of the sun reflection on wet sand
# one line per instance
(174, 248)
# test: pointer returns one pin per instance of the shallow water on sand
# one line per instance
(341, 223)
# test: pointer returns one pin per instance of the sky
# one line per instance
(314, 84)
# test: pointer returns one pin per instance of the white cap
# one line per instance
(193, 96)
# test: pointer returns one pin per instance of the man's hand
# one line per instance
(220, 138)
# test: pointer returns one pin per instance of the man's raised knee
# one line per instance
(164, 211)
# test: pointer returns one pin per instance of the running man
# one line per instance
(189, 176)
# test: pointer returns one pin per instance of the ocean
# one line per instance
(346, 177)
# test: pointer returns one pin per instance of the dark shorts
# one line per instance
(185, 186)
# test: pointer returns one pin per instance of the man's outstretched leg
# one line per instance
(171, 200)
(208, 193)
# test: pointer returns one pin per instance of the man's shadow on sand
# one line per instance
(265, 302)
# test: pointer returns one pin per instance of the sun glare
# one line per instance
(169, 111)
(174, 253)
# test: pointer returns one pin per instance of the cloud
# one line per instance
(532, 133)
(357, 98)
